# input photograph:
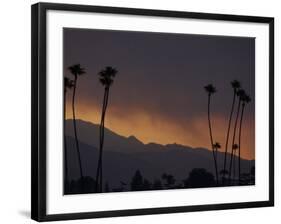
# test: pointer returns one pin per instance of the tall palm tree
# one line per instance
(210, 89)
(76, 71)
(106, 79)
(245, 100)
(68, 84)
(240, 94)
(235, 148)
(235, 85)
(217, 146)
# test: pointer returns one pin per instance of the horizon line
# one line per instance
(195, 148)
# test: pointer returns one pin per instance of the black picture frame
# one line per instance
(38, 116)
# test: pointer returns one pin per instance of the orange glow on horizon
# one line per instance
(147, 128)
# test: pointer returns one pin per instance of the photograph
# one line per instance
(141, 111)
(147, 111)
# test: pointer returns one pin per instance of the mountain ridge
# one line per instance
(86, 128)
(124, 155)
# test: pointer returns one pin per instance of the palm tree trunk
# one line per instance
(99, 157)
(99, 167)
(216, 154)
(211, 137)
(75, 128)
(233, 140)
(234, 166)
(227, 135)
(239, 147)
(65, 146)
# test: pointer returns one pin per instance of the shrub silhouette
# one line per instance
(157, 185)
(146, 185)
(170, 180)
(200, 177)
(82, 185)
(253, 173)
(137, 182)
(106, 188)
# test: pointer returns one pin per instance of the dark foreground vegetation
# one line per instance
(197, 178)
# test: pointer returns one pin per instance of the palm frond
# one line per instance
(76, 70)
(106, 76)
(236, 84)
(217, 145)
(210, 89)
(68, 83)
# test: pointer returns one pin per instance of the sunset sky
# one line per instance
(158, 93)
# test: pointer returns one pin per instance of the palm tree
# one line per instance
(245, 100)
(68, 84)
(106, 79)
(235, 148)
(240, 94)
(76, 71)
(235, 85)
(210, 89)
(217, 146)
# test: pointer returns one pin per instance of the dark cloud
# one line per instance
(162, 73)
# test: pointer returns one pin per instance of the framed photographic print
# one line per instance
(138, 111)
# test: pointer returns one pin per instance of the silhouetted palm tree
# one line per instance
(68, 84)
(240, 94)
(245, 100)
(106, 79)
(235, 148)
(210, 89)
(76, 71)
(217, 146)
(235, 85)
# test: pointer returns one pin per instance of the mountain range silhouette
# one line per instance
(124, 155)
